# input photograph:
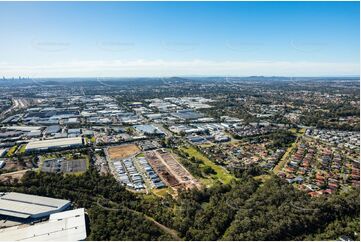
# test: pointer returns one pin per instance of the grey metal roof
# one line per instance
(63, 226)
(54, 143)
(24, 205)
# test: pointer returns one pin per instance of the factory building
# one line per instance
(64, 226)
(54, 144)
(25, 207)
(3, 152)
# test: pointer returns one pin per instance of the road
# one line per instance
(18, 103)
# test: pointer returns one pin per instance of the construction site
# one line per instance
(170, 170)
(145, 171)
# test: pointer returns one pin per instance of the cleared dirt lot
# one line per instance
(170, 170)
(10, 177)
(161, 169)
(122, 151)
(15, 165)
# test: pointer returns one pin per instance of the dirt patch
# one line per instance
(12, 176)
(15, 165)
(170, 170)
(161, 169)
(123, 151)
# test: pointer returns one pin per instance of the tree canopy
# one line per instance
(245, 209)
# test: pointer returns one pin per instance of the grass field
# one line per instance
(140, 155)
(299, 133)
(22, 149)
(293, 130)
(206, 145)
(163, 191)
(262, 178)
(11, 151)
(221, 174)
(283, 160)
(123, 151)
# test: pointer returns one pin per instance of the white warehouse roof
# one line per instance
(64, 226)
(2, 152)
(24, 128)
(25, 206)
(45, 144)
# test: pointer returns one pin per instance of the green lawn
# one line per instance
(11, 151)
(262, 178)
(293, 130)
(22, 149)
(300, 132)
(162, 192)
(283, 160)
(87, 159)
(140, 155)
(221, 174)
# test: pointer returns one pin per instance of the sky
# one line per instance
(137, 39)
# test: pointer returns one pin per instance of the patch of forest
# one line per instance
(242, 210)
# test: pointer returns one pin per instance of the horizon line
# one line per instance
(186, 76)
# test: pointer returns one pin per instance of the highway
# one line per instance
(18, 103)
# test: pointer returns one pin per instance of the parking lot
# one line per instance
(66, 166)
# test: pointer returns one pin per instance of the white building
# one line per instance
(54, 144)
(3, 152)
(63, 226)
(25, 206)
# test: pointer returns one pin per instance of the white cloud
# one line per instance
(152, 68)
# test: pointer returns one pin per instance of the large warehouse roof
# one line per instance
(64, 226)
(2, 152)
(24, 128)
(45, 144)
(24, 205)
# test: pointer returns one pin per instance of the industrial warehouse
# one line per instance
(24, 206)
(54, 144)
(64, 226)
(31, 217)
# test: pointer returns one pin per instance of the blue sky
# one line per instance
(179, 38)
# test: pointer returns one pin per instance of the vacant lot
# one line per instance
(10, 177)
(221, 174)
(123, 151)
(16, 165)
